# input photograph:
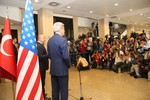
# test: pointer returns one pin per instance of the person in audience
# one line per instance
(89, 49)
(100, 46)
(83, 46)
(95, 45)
(119, 60)
(126, 66)
(103, 60)
(15, 46)
(143, 67)
(96, 61)
(82, 63)
(110, 58)
(134, 60)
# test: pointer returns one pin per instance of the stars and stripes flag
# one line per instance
(29, 86)
(8, 65)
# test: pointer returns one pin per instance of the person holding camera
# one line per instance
(82, 63)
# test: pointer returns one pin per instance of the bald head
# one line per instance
(41, 38)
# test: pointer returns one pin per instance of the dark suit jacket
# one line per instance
(43, 57)
(59, 55)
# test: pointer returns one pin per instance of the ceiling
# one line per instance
(140, 14)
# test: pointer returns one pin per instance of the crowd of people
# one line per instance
(128, 54)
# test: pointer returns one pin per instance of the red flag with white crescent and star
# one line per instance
(8, 66)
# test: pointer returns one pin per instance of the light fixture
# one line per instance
(53, 3)
(107, 15)
(68, 7)
(116, 4)
(91, 12)
(148, 17)
(131, 9)
(141, 14)
(36, 0)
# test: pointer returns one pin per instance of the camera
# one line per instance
(128, 41)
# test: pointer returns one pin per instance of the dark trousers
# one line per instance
(59, 87)
(117, 65)
(43, 73)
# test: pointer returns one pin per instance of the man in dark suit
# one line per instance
(43, 61)
(15, 46)
(60, 62)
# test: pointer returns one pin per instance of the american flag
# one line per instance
(29, 85)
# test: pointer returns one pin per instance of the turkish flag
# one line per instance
(8, 66)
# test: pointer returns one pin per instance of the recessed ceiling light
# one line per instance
(116, 4)
(148, 17)
(53, 3)
(131, 9)
(107, 15)
(68, 7)
(141, 14)
(36, 0)
(91, 11)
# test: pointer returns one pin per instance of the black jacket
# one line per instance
(43, 57)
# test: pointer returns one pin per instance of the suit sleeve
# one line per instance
(40, 52)
(65, 53)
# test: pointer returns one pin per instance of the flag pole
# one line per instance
(13, 89)
(7, 12)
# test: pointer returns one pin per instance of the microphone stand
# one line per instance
(81, 98)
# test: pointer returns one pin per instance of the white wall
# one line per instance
(83, 30)
(14, 13)
(18, 28)
(85, 22)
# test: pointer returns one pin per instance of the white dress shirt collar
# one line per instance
(58, 33)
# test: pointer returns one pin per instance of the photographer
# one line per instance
(110, 58)
(119, 60)
(143, 67)
(82, 64)
(130, 44)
